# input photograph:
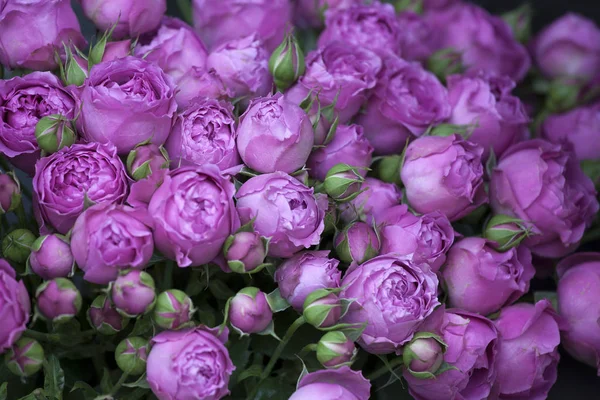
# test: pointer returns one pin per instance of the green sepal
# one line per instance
(276, 302)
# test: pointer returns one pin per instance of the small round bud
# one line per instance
(51, 257)
(58, 300)
(358, 242)
(174, 310)
(388, 168)
(131, 355)
(343, 182)
(10, 192)
(146, 159)
(75, 70)
(287, 62)
(245, 251)
(16, 246)
(322, 309)
(423, 356)
(507, 232)
(54, 132)
(25, 357)
(133, 293)
(249, 311)
(335, 350)
(104, 317)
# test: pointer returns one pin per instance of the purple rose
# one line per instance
(422, 239)
(131, 84)
(348, 146)
(176, 48)
(189, 364)
(569, 47)
(243, 66)
(131, 18)
(406, 101)
(472, 341)
(416, 37)
(578, 289)
(444, 174)
(376, 196)
(249, 311)
(219, 21)
(372, 26)
(199, 82)
(193, 214)
(34, 30)
(501, 119)
(23, 102)
(481, 280)
(333, 384)
(485, 41)
(64, 180)
(14, 306)
(357, 243)
(204, 133)
(528, 350)
(284, 210)
(304, 273)
(51, 257)
(394, 296)
(309, 13)
(338, 71)
(558, 202)
(57, 300)
(274, 135)
(108, 238)
(579, 128)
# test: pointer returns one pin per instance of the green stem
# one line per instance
(307, 349)
(119, 383)
(385, 369)
(20, 211)
(186, 10)
(168, 275)
(55, 337)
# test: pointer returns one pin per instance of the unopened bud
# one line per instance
(335, 350)
(423, 357)
(445, 62)
(58, 300)
(173, 310)
(16, 246)
(358, 242)
(133, 293)
(54, 132)
(287, 62)
(104, 317)
(51, 257)
(507, 232)
(10, 192)
(322, 309)
(343, 182)
(131, 355)
(25, 357)
(245, 251)
(145, 159)
(249, 311)
(388, 169)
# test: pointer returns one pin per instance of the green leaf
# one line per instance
(88, 392)
(54, 378)
(276, 302)
(140, 383)
(143, 326)
(253, 371)
(273, 389)
(220, 290)
(106, 384)
(3, 391)
(550, 296)
(37, 394)
(138, 393)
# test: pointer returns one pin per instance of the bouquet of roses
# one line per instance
(295, 199)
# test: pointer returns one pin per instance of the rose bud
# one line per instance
(284, 210)
(471, 355)
(14, 302)
(260, 127)
(322, 309)
(577, 296)
(357, 243)
(75, 69)
(140, 86)
(569, 47)
(131, 355)
(392, 316)
(506, 232)
(423, 356)
(96, 175)
(445, 62)
(176, 48)
(343, 183)
(406, 101)
(145, 160)
(204, 133)
(43, 27)
(176, 359)
(200, 82)
(348, 146)
(219, 21)
(115, 50)
(58, 300)
(444, 174)
(129, 18)
(376, 196)
(25, 357)
(173, 310)
(416, 36)
(519, 21)
(341, 75)
(133, 293)
(287, 62)
(310, 13)
(38, 95)
(245, 252)
(501, 119)
(53, 133)
(304, 273)
(335, 350)
(481, 280)
(330, 384)
(243, 66)
(561, 200)
(528, 356)
(249, 311)
(10, 192)
(110, 237)
(423, 239)
(193, 214)
(331, 218)
(491, 47)
(104, 317)
(51, 257)
(16, 246)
